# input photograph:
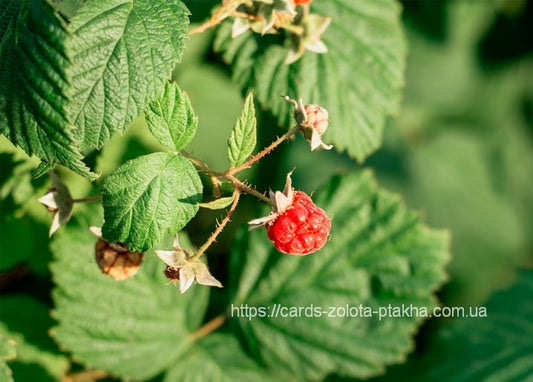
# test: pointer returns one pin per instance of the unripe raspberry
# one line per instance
(312, 121)
(317, 118)
(301, 229)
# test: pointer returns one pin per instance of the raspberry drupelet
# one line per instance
(296, 225)
(301, 229)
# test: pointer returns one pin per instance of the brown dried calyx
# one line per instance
(58, 201)
(303, 29)
(182, 267)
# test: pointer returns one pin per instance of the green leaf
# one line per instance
(148, 196)
(34, 85)
(461, 191)
(359, 80)
(217, 204)
(217, 357)
(7, 352)
(134, 328)
(26, 321)
(171, 118)
(379, 254)
(123, 53)
(495, 346)
(243, 136)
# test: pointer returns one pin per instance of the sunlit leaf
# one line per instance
(148, 196)
(134, 328)
(358, 80)
(123, 53)
(34, 84)
(243, 136)
(379, 255)
(171, 118)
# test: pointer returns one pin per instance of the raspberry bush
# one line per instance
(190, 190)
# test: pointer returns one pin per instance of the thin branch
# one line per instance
(197, 162)
(220, 227)
(264, 152)
(227, 9)
(249, 190)
(88, 199)
(209, 327)
(84, 376)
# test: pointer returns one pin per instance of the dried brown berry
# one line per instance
(115, 259)
(173, 274)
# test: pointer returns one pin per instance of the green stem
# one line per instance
(220, 227)
(264, 152)
(88, 199)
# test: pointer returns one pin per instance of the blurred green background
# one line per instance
(460, 149)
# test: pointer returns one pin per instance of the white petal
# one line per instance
(287, 190)
(169, 258)
(240, 25)
(97, 231)
(316, 46)
(260, 222)
(316, 142)
(49, 200)
(282, 201)
(292, 56)
(205, 278)
(55, 224)
(186, 279)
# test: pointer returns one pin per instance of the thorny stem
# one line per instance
(230, 174)
(209, 327)
(228, 8)
(88, 199)
(238, 184)
(264, 152)
(220, 227)
(249, 190)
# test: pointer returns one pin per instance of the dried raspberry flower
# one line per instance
(58, 201)
(310, 29)
(184, 269)
(264, 17)
(313, 121)
(115, 259)
(296, 225)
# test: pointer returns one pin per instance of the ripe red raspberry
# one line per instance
(301, 229)
(302, 2)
